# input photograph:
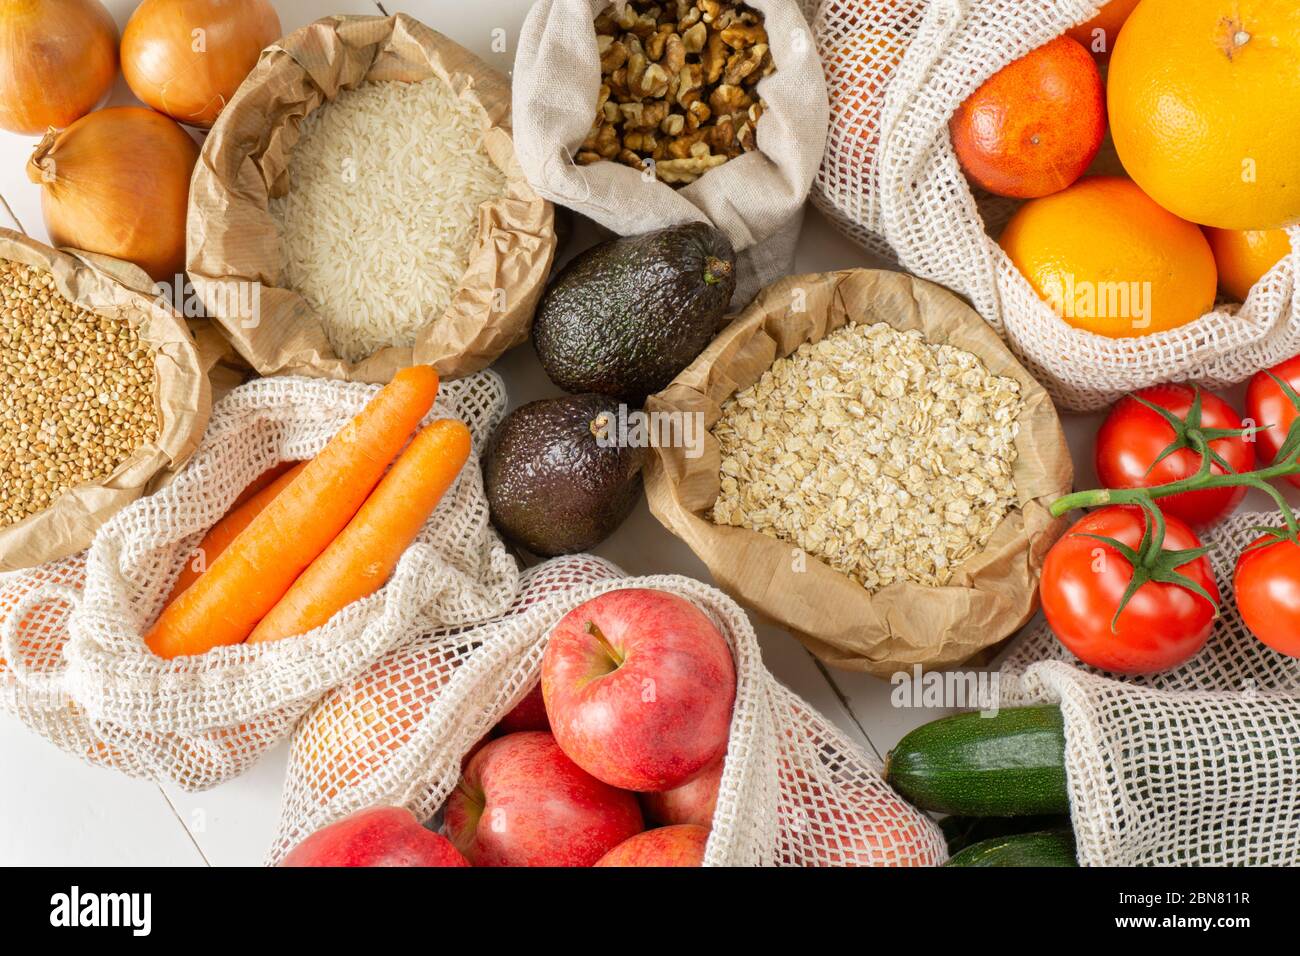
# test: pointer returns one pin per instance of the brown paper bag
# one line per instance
(991, 595)
(181, 393)
(232, 238)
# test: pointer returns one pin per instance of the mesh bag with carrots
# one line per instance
(794, 790)
(897, 71)
(1195, 766)
(195, 694)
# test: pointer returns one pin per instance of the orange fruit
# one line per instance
(1110, 260)
(1036, 125)
(1098, 35)
(856, 76)
(1245, 256)
(1205, 109)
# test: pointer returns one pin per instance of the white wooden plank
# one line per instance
(56, 810)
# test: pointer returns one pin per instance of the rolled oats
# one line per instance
(888, 457)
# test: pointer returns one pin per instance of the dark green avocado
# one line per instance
(551, 486)
(624, 317)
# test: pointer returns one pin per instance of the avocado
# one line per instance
(552, 486)
(624, 317)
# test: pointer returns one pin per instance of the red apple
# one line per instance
(380, 836)
(639, 686)
(528, 714)
(693, 802)
(881, 835)
(522, 802)
(667, 846)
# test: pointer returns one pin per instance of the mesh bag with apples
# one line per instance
(897, 71)
(1195, 766)
(73, 663)
(790, 790)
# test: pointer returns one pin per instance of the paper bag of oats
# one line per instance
(91, 417)
(344, 226)
(877, 472)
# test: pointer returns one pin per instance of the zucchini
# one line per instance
(961, 832)
(1009, 765)
(1045, 848)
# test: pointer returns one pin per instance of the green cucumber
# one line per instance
(1045, 848)
(1009, 765)
(961, 832)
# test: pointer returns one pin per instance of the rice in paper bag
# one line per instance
(989, 597)
(233, 241)
(181, 397)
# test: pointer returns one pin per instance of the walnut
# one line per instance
(613, 54)
(693, 39)
(652, 84)
(714, 58)
(743, 63)
(742, 36)
(677, 93)
(674, 55)
(727, 99)
(686, 170)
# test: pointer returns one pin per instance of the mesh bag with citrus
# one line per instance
(792, 789)
(958, 124)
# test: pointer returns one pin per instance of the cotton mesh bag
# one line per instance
(1196, 766)
(896, 72)
(76, 669)
(794, 790)
(755, 199)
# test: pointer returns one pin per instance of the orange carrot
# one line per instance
(254, 572)
(228, 528)
(362, 558)
(261, 481)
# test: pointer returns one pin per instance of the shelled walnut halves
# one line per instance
(678, 86)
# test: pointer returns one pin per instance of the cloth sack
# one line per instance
(795, 791)
(76, 668)
(1197, 766)
(896, 72)
(756, 199)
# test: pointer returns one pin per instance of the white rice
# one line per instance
(382, 210)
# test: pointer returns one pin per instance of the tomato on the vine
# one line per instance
(1267, 582)
(1085, 581)
(1272, 409)
(1134, 436)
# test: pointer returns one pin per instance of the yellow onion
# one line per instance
(58, 60)
(117, 182)
(186, 58)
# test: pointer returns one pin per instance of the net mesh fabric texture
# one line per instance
(77, 671)
(896, 71)
(794, 790)
(1196, 766)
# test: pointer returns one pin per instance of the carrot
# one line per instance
(219, 536)
(362, 558)
(261, 481)
(254, 572)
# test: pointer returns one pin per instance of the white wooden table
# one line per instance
(55, 810)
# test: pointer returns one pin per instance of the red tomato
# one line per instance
(1266, 404)
(1267, 583)
(1133, 437)
(1085, 579)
